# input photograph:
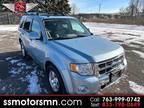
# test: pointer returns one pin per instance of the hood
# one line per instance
(89, 49)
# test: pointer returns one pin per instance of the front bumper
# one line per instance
(93, 84)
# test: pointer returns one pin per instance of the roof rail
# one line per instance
(46, 13)
(32, 13)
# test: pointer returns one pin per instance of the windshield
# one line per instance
(65, 29)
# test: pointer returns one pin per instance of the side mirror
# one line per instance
(34, 36)
(90, 31)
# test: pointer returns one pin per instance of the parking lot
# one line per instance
(24, 76)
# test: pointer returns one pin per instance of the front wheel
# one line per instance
(55, 81)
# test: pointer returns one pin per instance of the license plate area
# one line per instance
(114, 76)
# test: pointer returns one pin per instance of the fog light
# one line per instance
(83, 89)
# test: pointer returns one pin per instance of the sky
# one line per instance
(107, 6)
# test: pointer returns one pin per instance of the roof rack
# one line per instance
(46, 13)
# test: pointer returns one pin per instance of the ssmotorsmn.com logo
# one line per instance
(29, 102)
(32, 102)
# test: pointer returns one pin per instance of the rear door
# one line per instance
(27, 29)
(21, 30)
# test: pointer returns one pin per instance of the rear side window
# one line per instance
(27, 25)
(22, 22)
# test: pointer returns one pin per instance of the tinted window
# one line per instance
(27, 25)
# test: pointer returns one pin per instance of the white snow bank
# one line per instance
(138, 89)
(8, 27)
(141, 54)
(33, 87)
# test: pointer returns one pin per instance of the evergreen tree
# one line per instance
(54, 6)
(0, 5)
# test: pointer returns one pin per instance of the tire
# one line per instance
(23, 51)
(55, 81)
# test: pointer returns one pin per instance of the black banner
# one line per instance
(72, 101)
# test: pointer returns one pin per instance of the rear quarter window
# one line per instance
(21, 24)
(27, 25)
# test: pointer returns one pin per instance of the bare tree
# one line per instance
(141, 5)
(124, 11)
(133, 8)
(74, 9)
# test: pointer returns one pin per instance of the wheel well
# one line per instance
(20, 40)
(50, 63)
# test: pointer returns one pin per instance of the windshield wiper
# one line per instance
(81, 36)
(62, 38)
(72, 37)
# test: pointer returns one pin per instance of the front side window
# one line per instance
(36, 27)
(65, 28)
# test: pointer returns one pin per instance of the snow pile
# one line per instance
(33, 87)
(21, 64)
(14, 61)
(9, 58)
(13, 71)
(141, 54)
(138, 89)
(8, 27)
(22, 73)
(3, 88)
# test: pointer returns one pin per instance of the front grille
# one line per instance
(111, 64)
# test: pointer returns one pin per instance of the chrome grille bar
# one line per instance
(111, 64)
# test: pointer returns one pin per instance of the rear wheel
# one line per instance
(55, 81)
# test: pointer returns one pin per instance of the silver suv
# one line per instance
(76, 61)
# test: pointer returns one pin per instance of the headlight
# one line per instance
(84, 69)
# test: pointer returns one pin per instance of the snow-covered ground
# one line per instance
(141, 54)
(8, 27)
(136, 88)
(125, 34)
(28, 73)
